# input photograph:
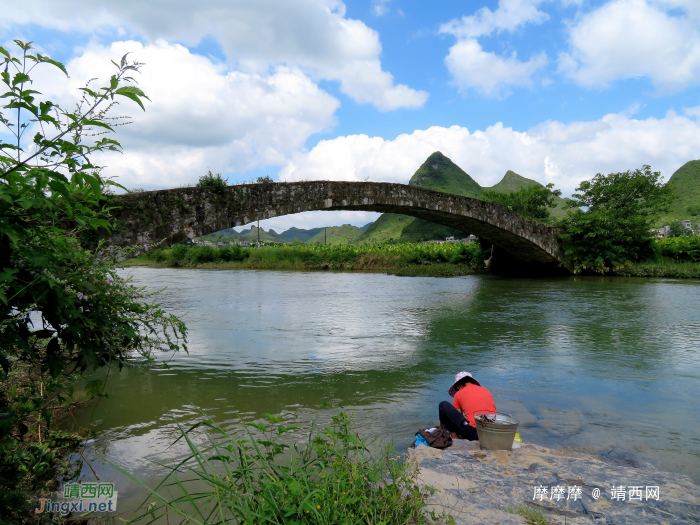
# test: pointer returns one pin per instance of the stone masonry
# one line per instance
(174, 215)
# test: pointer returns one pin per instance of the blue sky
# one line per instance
(319, 89)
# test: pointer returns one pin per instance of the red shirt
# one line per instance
(472, 398)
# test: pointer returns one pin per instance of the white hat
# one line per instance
(458, 378)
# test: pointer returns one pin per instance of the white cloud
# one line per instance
(633, 39)
(473, 68)
(317, 219)
(563, 154)
(509, 15)
(379, 7)
(255, 35)
(202, 116)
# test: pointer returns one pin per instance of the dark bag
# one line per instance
(438, 438)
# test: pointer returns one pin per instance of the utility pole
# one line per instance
(325, 239)
(258, 233)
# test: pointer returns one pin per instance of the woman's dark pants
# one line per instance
(453, 421)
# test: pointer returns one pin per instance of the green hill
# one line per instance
(511, 182)
(265, 236)
(441, 174)
(686, 185)
(387, 227)
(345, 234)
(300, 234)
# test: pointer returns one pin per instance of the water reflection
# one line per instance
(603, 365)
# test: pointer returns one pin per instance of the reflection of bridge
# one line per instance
(177, 214)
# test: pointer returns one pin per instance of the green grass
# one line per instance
(402, 259)
(664, 268)
(532, 516)
(257, 477)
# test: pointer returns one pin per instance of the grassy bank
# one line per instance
(662, 268)
(439, 260)
(254, 476)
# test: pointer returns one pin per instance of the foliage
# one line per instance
(613, 231)
(264, 180)
(532, 202)
(684, 248)
(678, 230)
(64, 307)
(214, 181)
(662, 268)
(332, 257)
(257, 479)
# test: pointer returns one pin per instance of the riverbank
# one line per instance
(483, 486)
(410, 260)
(431, 260)
(35, 456)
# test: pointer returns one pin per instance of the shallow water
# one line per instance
(603, 365)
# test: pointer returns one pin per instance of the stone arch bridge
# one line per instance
(178, 214)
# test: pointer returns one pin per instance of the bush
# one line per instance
(216, 182)
(200, 255)
(335, 478)
(234, 253)
(685, 248)
(178, 252)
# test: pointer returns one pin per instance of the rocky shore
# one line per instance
(537, 485)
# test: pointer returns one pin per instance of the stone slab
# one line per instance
(479, 486)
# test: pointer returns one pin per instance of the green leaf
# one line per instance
(42, 58)
(20, 78)
(97, 123)
(133, 93)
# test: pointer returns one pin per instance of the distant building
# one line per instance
(686, 225)
(450, 239)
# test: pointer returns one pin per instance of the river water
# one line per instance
(603, 365)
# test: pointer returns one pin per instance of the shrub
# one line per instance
(685, 248)
(335, 478)
(216, 182)
(179, 252)
(200, 255)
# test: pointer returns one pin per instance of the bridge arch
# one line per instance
(178, 214)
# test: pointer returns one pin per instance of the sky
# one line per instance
(556, 91)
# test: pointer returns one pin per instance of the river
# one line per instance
(603, 365)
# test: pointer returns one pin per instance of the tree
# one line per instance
(64, 309)
(678, 229)
(609, 218)
(532, 202)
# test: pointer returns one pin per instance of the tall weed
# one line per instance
(336, 477)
